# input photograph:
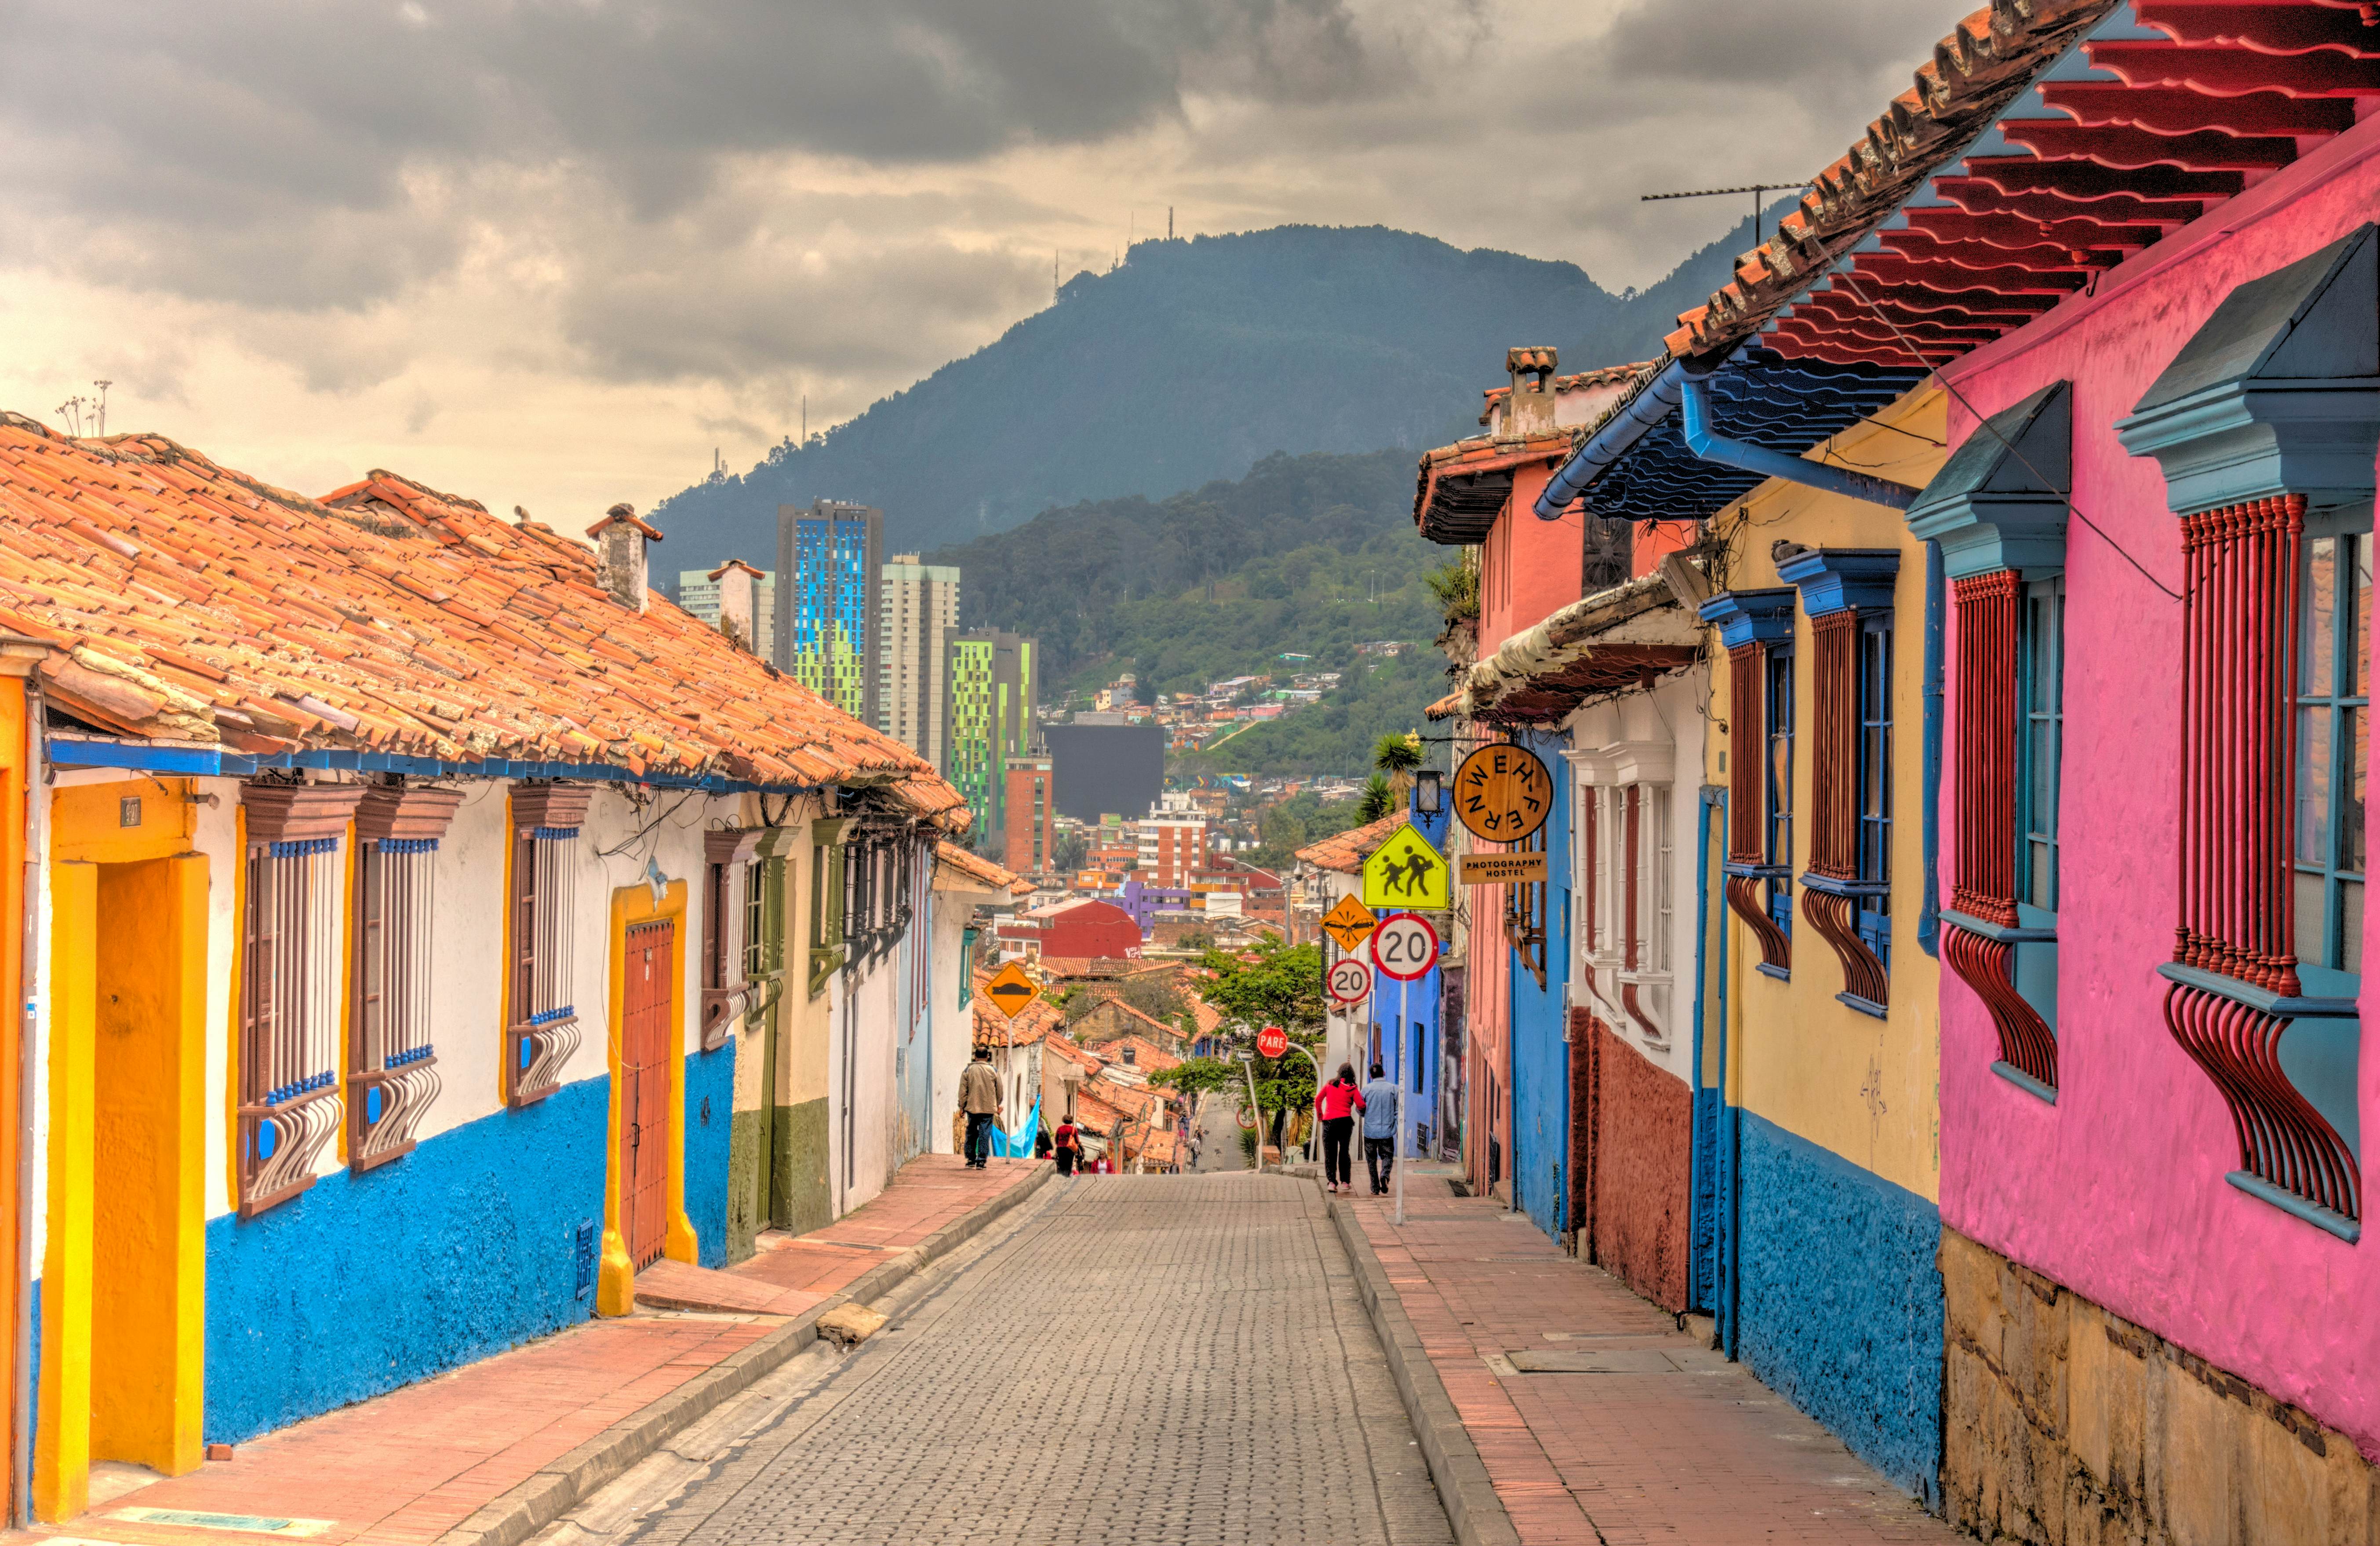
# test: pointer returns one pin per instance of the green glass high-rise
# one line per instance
(990, 686)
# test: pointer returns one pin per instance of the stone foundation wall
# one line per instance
(2066, 1425)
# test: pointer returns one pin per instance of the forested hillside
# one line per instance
(1192, 361)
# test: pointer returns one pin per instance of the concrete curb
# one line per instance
(568, 1480)
(1471, 1505)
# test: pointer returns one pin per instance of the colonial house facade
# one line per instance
(425, 929)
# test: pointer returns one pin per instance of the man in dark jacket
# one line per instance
(980, 1098)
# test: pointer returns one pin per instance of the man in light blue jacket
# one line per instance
(1382, 1102)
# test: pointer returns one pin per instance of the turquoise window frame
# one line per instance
(2331, 964)
(1873, 751)
(2041, 734)
(1776, 735)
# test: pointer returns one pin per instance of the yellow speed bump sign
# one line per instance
(1406, 872)
(1010, 989)
(1350, 922)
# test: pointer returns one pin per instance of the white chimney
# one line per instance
(620, 540)
(739, 600)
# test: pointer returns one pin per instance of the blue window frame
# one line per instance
(2334, 695)
(1874, 915)
(2041, 741)
(1779, 707)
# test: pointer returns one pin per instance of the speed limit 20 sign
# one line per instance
(1350, 981)
(1405, 946)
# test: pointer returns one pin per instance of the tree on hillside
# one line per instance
(1397, 757)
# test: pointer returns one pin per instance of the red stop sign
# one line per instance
(1272, 1041)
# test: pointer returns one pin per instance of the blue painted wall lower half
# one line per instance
(1539, 1016)
(1840, 1300)
(462, 1249)
(710, 1125)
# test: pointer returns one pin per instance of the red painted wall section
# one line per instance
(1529, 568)
(1095, 929)
(1635, 1130)
(1655, 540)
(2117, 1191)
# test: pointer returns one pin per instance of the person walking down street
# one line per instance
(1069, 1146)
(1040, 1143)
(1381, 1104)
(1336, 1104)
(980, 1098)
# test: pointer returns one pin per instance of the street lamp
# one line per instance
(1427, 793)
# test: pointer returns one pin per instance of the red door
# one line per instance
(644, 1092)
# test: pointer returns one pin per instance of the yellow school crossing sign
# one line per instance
(1406, 872)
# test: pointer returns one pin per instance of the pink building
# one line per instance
(2151, 1081)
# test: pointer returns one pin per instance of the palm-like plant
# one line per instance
(1378, 799)
(1397, 757)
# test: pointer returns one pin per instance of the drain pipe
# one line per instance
(1611, 441)
(1929, 922)
(1705, 442)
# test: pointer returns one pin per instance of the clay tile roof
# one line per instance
(1033, 1023)
(975, 867)
(1582, 381)
(1985, 62)
(1146, 1055)
(185, 601)
(1058, 1041)
(1347, 851)
(1460, 488)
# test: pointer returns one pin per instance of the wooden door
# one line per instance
(644, 1095)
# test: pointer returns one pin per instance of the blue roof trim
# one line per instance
(1638, 466)
(1833, 578)
(1751, 617)
(75, 751)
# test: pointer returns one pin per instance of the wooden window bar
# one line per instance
(289, 991)
(543, 1031)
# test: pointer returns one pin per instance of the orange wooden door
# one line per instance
(644, 1094)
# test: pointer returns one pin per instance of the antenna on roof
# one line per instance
(1755, 190)
(103, 386)
(1168, 223)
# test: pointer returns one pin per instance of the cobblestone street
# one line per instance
(1145, 1358)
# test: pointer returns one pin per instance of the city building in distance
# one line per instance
(1030, 842)
(1103, 765)
(991, 681)
(921, 612)
(830, 567)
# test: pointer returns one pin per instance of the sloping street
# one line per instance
(1153, 1358)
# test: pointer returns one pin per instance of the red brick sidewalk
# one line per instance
(405, 1468)
(1673, 1444)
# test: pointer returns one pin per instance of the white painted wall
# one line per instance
(1630, 733)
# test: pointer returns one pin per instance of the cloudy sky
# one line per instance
(553, 252)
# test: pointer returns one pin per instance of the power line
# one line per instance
(1934, 372)
(1755, 190)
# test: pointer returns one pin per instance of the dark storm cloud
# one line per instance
(254, 150)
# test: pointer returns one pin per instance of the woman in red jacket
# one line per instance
(1336, 1103)
(1069, 1148)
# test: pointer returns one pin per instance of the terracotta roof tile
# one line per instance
(387, 617)
(975, 867)
(1346, 852)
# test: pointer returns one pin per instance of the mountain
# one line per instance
(1312, 554)
(1190, 362)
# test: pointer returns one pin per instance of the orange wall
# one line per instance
(1529, 568)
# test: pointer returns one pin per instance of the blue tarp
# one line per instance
(1020, 1145)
